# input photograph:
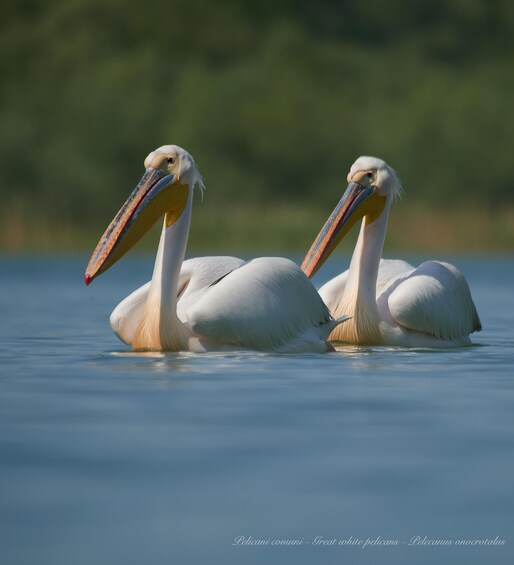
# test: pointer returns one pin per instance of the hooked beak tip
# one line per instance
(87, 279)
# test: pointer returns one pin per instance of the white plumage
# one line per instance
(226, 303)
(209, 303)
(390, 301)
(427, 306)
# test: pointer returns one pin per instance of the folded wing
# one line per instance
(434, 299)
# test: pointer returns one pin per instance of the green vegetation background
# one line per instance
(274, 99)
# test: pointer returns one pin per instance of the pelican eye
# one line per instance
(170, 160)
(369, 175)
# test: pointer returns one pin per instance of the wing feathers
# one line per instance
(434, 299)
(265, 304)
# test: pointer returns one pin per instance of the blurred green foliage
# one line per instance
(274, 99)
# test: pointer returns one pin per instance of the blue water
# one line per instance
(108, 457)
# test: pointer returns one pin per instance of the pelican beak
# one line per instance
(357, 202)
(157, 193)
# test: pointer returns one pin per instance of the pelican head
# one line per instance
(164, 189)
(371, 171)
(371, 184)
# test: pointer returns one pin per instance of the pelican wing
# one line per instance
(434, 299)
(196, 276)
(266, 304)
(200, 274)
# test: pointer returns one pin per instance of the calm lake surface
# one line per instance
(115, 458)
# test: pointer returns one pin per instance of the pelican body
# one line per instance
(390, 302)
(210, 303)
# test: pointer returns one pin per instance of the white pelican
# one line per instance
(390, 302)
(213, 303)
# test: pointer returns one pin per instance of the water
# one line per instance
(107, 457)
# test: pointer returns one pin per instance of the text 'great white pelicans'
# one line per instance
(390, 302)
(209, 303)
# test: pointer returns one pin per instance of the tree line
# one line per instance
(274, 99)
